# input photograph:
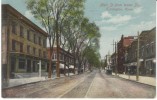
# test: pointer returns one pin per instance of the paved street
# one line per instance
(88, 85)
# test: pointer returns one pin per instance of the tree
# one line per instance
(51, 13)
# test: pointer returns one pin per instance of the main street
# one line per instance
(88, 85)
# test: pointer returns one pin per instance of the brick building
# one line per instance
(65, 58)
(23, 44)
(121, 49)
(147, 54)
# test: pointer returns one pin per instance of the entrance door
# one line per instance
(12, 67)
(28, 65)
(34, 64)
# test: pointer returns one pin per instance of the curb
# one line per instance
(135, 81)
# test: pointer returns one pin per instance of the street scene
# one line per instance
(78, 49)
(87, 85)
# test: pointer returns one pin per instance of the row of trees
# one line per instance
(68, 28)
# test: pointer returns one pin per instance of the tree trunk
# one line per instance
(50, 65)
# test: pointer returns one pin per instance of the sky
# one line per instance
(113, 17)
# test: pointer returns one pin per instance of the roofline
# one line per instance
(17, 14)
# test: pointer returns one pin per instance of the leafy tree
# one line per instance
(51, 13)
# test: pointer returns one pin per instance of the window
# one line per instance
(34, 50)
(54, 56)
(152, 48)
(39, 40)
(13, 45)
(34, 38)
(28, 35)
(39, 53)
(44, 54)
(14, 27)
(21, 63)
(28, 48)
(21, 31)
(44, 43)
(21, 47)
(142, 51)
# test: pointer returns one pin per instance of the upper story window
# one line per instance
(21, 47)
(28, 49)
(142, 51)
(39, 53)
(21, 31)
(147, 49)
(54, 56)
(39, 40)
(34, 38)
(44, 54)
(13, 45)
(14, 27)
(44, 43)
(34, 51)
(28, 34)
(152, 48)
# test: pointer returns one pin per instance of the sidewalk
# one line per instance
(142, 79)
(22, 81)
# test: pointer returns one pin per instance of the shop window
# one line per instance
(43, 67)
(21, 63)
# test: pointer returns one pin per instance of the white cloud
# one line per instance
(142, 26)
(28, 14)
(106, 15)
(118, 19)
(137, 10)
(114, 19)
(108, 28)
(153, 14)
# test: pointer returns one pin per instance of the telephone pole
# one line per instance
(138, 44)
(116, 58)
(115, 50)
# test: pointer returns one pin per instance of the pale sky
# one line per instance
(113, 17)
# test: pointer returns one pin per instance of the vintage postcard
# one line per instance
(78, 49)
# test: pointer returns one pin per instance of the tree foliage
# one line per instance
(65, 18)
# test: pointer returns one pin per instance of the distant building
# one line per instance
(113, 62)
(23, 44)
(121, 49)
(147, 54)
(65, 58)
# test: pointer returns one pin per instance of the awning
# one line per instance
(131, 64)
(62, 66)
(71, 66)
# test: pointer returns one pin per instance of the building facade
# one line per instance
(147, 54)
(23, 44)
(65, 59)
(121, 49)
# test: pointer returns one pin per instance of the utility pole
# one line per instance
(116, 58)
(138, 44)
(115, 50)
